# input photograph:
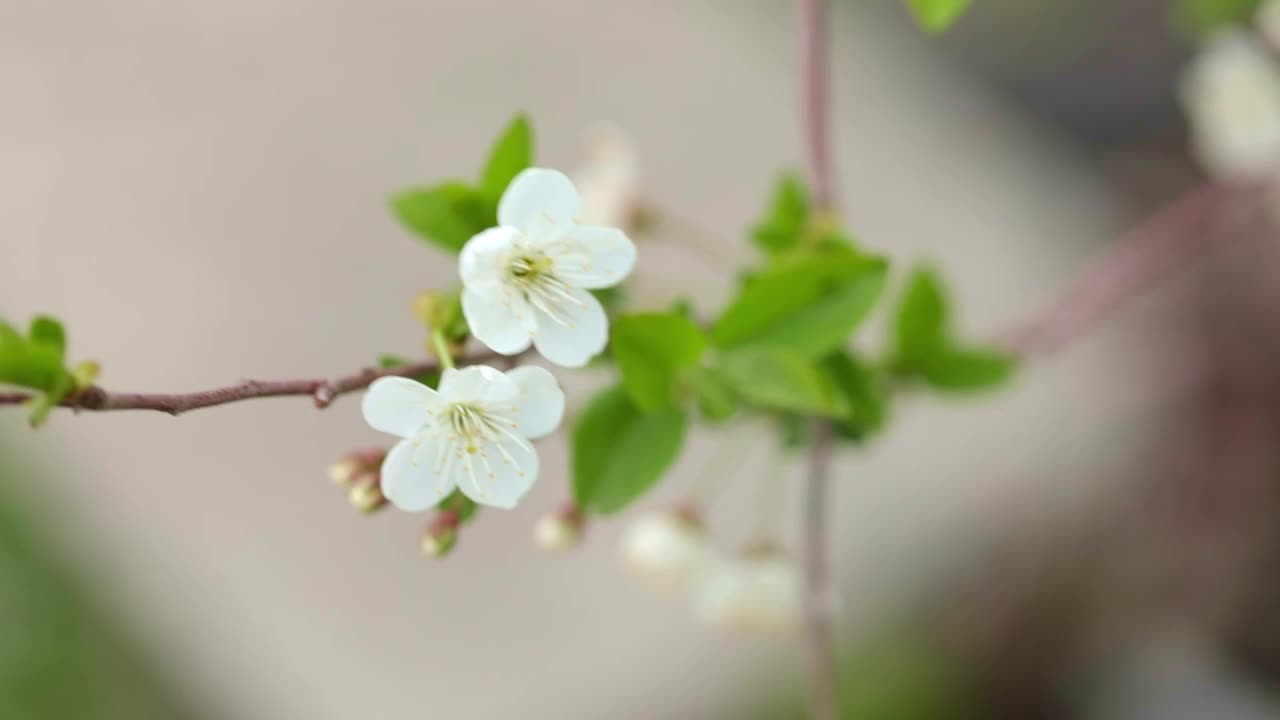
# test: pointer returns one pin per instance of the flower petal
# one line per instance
(535, 192)
(594, 257)
(415, 474)
(579, 338)
(399, 406)
(498, 474)
(478, 384)
(484, 259)
(540, 405)
(503, 322)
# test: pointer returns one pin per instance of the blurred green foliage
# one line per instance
(937, 15)
(1201, 17)
(900, 676)
(60, 657)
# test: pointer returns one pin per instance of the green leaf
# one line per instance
(810, 306)
(921, 323)
(448, 214)
(969, 369)
(783, 227)
(653, 351)
(937, 15)
(33, 362)
(48, 331)
(512, 153)
(777, 379)
(387, 361)
(36, 361)
(924, 348)
(1198, 18)
(866, 393)
(716, 400)
(619, 452)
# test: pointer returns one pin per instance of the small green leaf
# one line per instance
(937, 15)
(653, 351)
(777, 379)
(48, 331)
(34, 362)
(924, 348)
(387, 361)
(968, 369)
(866, 393)
(716, 400)
(620, 452)
(448, 214)
(810, 306)
(511, 153)
(1198, 18)
(783, 227)
(921, 323)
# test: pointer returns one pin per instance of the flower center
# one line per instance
(473, 425)
(528, 268)
(479, 443)
(532, 276)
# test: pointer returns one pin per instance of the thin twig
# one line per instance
(819, 627)
(321, 391)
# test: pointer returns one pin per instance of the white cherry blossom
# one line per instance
(1232, 96)
(758, 593)
(473, 434)
(668, 551)
(527, 280)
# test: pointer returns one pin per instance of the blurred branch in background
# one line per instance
(819, 601)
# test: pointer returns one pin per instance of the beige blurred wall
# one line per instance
(198, 189)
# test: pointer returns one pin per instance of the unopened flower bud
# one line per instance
(354, 464)
(560, 530)
(757, 593)
(344, 471)
(439, 538)
(667, 550)
(365, 493)
(439, 543)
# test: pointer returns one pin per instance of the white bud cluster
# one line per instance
(756, 592)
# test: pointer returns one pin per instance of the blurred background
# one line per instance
(198, 189)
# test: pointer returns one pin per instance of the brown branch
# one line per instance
(321, 391)
(1192, 222)
(817, 606)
